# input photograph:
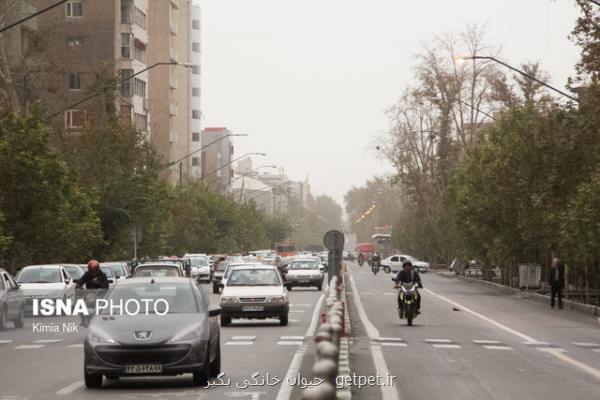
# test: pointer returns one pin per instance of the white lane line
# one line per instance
(536, 343)
(390, 339)
(5, 341)
(71, 388)
(294, 320)
(551, 349)
(301, 305)
(489, 347)
(446, 346)
(48, 341)
(29, 346)
(585, 344)
(438, 340)
(291, 337)
(289, 343)
(558, 353)
(297, 311)
(394, 344)
(243, 338)
(486, 341)
(596, 350)
(285, 391)
(77, 345)
(387, 392)
(239, 343)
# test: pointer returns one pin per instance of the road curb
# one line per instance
(344, 357)
(538, 297)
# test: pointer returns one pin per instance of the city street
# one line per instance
(46, 366)
(470, 342)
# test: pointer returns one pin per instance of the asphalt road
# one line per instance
(49, 366)
(470, 342)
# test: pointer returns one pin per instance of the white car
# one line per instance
(394, 263)
(200, 268)
(256, 292)
(305, 272)
(45, 281)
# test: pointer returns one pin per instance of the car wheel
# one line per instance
(320, 287)
(92, 380)
(3, 318)
(200, 376)
(283, 320)
(225, 321)
(215, 289)
(20, 321)
(215, 366)
(387, 269)
(289, 288)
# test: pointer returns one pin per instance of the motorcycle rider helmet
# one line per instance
(93, 265)
(406, 263)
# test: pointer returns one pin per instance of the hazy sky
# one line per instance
(309, 80)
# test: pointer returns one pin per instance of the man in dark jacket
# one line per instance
(408, 275)
(94, 278)
(557, 282)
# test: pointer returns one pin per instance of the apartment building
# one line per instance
(216, 158)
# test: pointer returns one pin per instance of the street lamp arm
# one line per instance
(250, 173)
(525, 74)
(27, 18)
(231, 162)
(201, 148)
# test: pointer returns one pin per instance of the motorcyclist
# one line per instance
(361, 258)
(408, 275)
(94, 278)
(376, 260)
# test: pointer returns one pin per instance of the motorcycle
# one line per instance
(374, 269)
(407, 299)
(361, 261)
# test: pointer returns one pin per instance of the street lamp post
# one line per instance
(525, 74)
(121, 82)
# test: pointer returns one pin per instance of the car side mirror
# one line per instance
(67, 281)
(221, 285)
(214, 311)
(111, 281)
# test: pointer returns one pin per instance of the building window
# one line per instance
(140, 122)
(139, 87)
(139, 51)
(139, 17)
(196, 114)
(196, 47)
(195, 92)
(126, 110)
(127, 85)
(126, 45)
(126, 11)
(73, 41)
(196, 70)
(74, 118)
(195, 161)
(195, 136)
(74, 8)
(75, 81)
(196, 24)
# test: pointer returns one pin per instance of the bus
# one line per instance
(285, 249)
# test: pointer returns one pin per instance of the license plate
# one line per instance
(253, 308)
(303, 281)
(143, 369)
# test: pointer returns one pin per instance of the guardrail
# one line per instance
(328, 338)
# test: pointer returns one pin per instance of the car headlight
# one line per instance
(99, 336)
(229, 299)
(188, 334)
(276, 299)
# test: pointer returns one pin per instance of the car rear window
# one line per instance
(156, 272)
(179, 296)
(39, 275)
(253, 277)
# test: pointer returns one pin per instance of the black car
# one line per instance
(12, 301)
(183, 340)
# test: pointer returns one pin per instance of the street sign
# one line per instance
(334, 240)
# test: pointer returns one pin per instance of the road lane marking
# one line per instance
(445, 346)
(297, 311)
(438, 340)
(239, 343)
(585, 344)
(294, 320)
(29, 346)
(387, 392)
(289, 343)
(558, 353)
(5, 341)
(71, 388)
(478, 341)
(243, 338)
(292, 337)
(536, 343)
(491, 347)
(77, 345)
(394, 344)
(48, 341)
(389, 339)
(285, 391)
(301, 305)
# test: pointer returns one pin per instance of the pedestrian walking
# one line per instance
(557, 282)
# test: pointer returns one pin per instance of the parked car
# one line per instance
(185, 340)
(304, 272)
(119, 268)
(394, 263)
(45, 281)
(254, 291)
(12, 301)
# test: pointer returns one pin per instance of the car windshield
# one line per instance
(107, 271)
(179, 296)
(39, 275)
(253, 277)
(200, 261)
(75, 272)
(156, 271)
(117, 269)
(308, 264)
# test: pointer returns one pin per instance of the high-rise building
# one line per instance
(216, 158)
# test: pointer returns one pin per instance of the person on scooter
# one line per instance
(361, 258)
(408, 275)
(94, 278)
(376, 260)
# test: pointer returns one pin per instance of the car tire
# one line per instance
(92, 380)
(215, 366)
(225, 321)
(387, 269)
(283, 320)
(3, 318)
(215, 289)
(200, 376)
(288, 287)
(20, 321)
(320, 287)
